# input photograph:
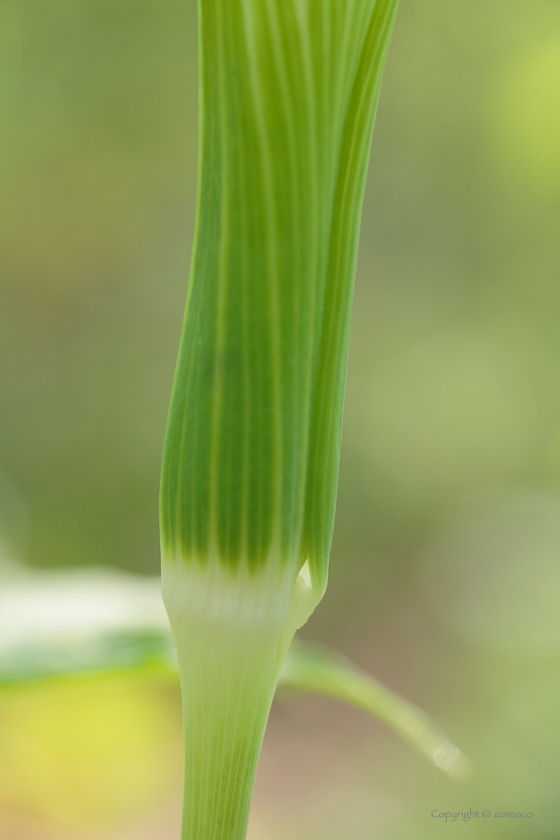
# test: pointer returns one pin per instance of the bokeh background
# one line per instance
(445, 577)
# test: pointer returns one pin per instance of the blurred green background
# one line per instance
(445, 577)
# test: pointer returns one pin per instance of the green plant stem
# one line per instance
(229, 685)
(231, 633)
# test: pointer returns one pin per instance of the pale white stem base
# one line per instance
(232, 630)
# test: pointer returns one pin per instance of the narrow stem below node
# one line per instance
(228, 678)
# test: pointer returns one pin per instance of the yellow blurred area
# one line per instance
(91, 752)
(526, 118)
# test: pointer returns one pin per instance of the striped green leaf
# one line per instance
(289, 90)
